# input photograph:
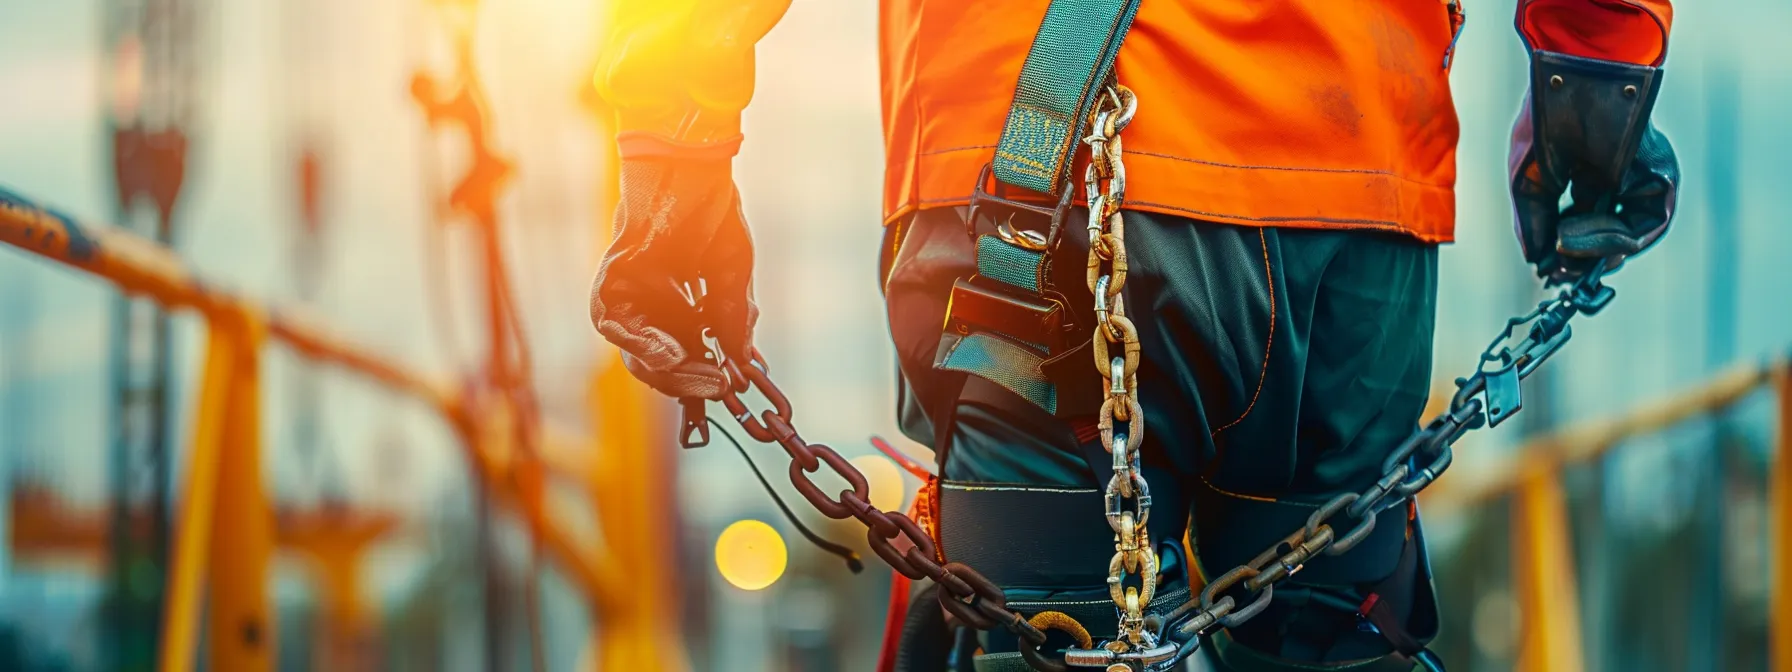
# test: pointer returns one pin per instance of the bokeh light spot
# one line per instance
(751, 555)
(888, 491)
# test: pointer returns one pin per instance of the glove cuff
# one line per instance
(1593, 110)
(650, 145)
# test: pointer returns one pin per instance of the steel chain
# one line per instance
(894, 537)
(1245, 591)
(1160, 643)
(1132, 571)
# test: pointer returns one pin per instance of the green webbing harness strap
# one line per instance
(1072, 57)
(1067, 67)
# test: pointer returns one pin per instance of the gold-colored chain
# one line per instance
(1122, 421)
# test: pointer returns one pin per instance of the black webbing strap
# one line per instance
(1397, 589)
(1244, 525)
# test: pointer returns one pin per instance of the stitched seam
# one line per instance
(1268, 342)
(949, 150)
(1293, 169)
(1230, 165)
(1085, 603)
(1014, 488)
(1357, 223)
(1290, 169)
(1432, 237)
(1239, 495)
(1377, 224)
(1088, 603)
(946, 199)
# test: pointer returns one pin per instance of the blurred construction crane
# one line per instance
(301, 98)
(153, 53)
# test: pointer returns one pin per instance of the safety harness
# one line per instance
(1012, 324)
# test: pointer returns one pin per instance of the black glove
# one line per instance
(1585, 130)
(678, 221)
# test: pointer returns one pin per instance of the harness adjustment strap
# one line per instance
(1064, 72)
(1005, 323)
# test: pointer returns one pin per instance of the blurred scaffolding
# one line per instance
(389, 189)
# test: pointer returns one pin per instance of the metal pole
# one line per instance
(497, 370)
(183, 623)
(461, 101)
(1708, 645)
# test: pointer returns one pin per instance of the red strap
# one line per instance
(893, 620)
(1086, 428)
(1391, 628)
(1368, 605)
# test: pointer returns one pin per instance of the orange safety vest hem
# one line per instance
(1231, 194)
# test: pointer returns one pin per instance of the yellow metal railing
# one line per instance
(225, 531)
(1542, 549)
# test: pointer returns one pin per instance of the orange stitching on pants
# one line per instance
(1239, 495)
(1267, 342)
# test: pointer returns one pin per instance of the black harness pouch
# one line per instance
(1018, 321)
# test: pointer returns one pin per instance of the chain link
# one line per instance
(901, 542)
(1132, 571)
(1472, 407)
(1160, 643)
(906, 547)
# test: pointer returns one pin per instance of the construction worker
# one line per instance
(1289, 174)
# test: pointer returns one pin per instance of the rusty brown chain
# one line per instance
(898, 539)
(1132, 573)
(1156, 643)
(1487, 397)
(1161, 642)
(906, 547)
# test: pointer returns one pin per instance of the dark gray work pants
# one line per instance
(1279, 365)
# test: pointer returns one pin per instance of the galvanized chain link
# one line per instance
(1483, 399)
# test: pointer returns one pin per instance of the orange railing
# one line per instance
(225, 528)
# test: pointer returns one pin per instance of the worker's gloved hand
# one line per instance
(678, 222)
(1585, 131)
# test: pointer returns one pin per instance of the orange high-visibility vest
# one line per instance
(1299, 113)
